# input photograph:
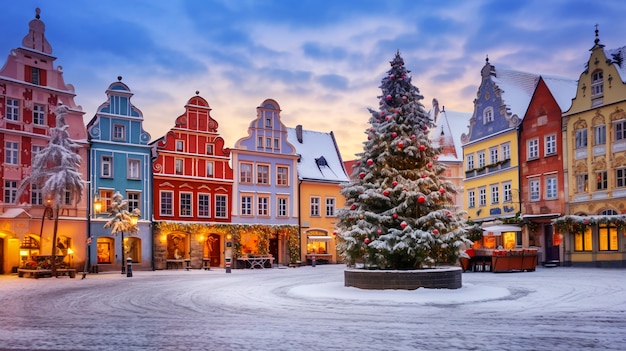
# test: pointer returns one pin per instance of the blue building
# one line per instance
(119, 161)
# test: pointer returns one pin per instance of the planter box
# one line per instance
(514, 260)
(436, 278)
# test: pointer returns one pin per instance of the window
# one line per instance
(607, 238)
(209, 149)
(551, 188)
(180, 145)
(506, 192)
(263, 174)
(209, 169)
(495, 194)
(245, 173)
(330, 207)
(36, 149)
(220, 206)
(13, 110)
(493, 155)
(10, 191)
(259, 142)
(471, 198)
(581, 138)
(469, 160)
(620, 130)
(583, 241)
(36, 198)
(282, 206)
(11, 153)
(185, 204)
(246, 205)
(178, 164)
(481, 159)
(601, 180)
(276, 144)
(204, 205)
(315, 206)
(133, 199)
(597, 86)
(506, 151)
(282, 175)
(167, 203)
(268, 143)
(35, 75)
(67, 198)
(482, 196)
(106, 167)
(134, 169)
(488, 115)
(599, 135)
(581, 183)
(535, 194)
(264, 206)
(620, 175)
(533, 149)
(39, 115)
(106, 197)
(268, 123)
(119, 132)
(550, 146)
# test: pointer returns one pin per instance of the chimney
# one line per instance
(299, 132)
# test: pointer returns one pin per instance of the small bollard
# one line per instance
(228, 265)
(129, 267)
(313, 261)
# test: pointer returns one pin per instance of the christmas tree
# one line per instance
(399, 212)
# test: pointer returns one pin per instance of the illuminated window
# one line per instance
(583, 241)
(607, 238)
(601, 180)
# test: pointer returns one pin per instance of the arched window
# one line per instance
(608, 212)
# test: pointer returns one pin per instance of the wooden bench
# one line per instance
(42, 273)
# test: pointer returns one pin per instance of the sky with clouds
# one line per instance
(321, 60)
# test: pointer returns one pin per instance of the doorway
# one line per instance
(1, 255)
(274, 249)
(552, 248)
(212, 250)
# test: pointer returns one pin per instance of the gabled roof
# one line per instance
(450, 125)
(517, 89)
(563, 90)
(319, 156)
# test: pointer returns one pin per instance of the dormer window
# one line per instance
(488, 115)
(597, 88)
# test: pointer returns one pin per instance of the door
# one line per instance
(274, 249)
(552, 250)
(1, 256)
(215, 251)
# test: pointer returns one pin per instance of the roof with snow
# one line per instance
(319, 156)
(450, 125)
(562, 89)
(517, 89)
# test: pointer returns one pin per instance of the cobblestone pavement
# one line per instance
(550, 309)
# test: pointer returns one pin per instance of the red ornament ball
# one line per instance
(394, 183)
(395, 215)
(422, 147)
(442, 190)
(413, 137)
(404, 98)
(424, 175)
(435, 231)
(394, 134)
(386, 192)
(369, 137)
(388, 118)
(388, 97)
(353, 207)
(400, 144)
(425, 127)
(370, 162)
(379, 231)
(430, 165)
(403, 224)
(448, 214)
(362, 175)
(371, 130)
(393, 76)
(367, 240)
(421, 199)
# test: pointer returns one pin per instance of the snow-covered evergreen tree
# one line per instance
(120, 220)
(399, 212)
(56, 170)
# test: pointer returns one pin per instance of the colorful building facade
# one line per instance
(31, 88)
(120, 160)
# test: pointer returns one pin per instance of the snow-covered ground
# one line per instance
(308, 308)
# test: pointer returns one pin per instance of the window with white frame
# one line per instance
(209, 149)
(35, 149)
(581, 138)
(493, 155)
(314, 206)
(495, 194)
(330, 207)
(178, 166)
(597, 83)
(39, 115)
(221, 210)
(259, 142)
(180, 145)
(599, 135)
(282, 206)
(119, 132)
(620, 130)
(204, 205)
(488, 115)
(276, 144)
(533, 149)
(167, 203)
(506, 192)
(67, 198)
(134, 199)
(482, 196)
(185, 204)
(282, 176)
(263, 207)
(106, 198)
(481, 159)
(10, 191)
(134, 168)
(209, 169)
(245, 173)
(551, 188)
(620, 177)
(268, 122)
(582, 185)
(268, 143)
(550, 144)
(11, 152)
(35, 75)
(12, 110)
(106, 167)
(246, 205)
(263, 174)
(506, 151)
(535, 194)
(601, 180)
(36, 197)
(471, 198)
(469, 161)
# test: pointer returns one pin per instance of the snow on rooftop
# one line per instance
(563, 90)
(517, 89)
(453, 124)
(319, 156)
(617, 56)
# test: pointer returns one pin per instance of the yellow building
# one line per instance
(321, 173)
(594, 139)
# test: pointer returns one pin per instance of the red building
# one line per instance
(192, 187)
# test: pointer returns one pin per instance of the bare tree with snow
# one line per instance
(56, 171)
(120, 221)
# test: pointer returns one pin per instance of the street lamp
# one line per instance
(97, 204)
(70, 252)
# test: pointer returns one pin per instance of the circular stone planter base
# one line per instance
(436, 278)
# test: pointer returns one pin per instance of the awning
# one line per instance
(501, 228)
(319, 238)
